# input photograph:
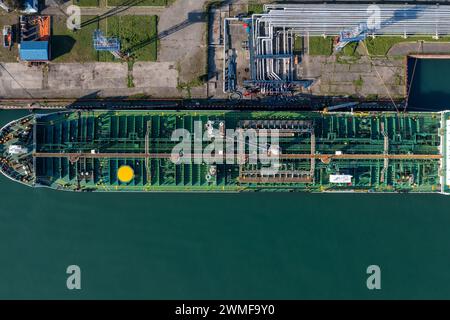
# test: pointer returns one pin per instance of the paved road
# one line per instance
(402, 49)
(184, 37)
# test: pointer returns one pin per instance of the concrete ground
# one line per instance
(87, 79)
(87, 76)
(215, 52)
(155, 75)
(182, 29)
(242, 55)
(381, 77)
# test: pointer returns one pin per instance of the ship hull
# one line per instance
(226, 151)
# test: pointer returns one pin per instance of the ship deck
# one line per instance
(360, 152)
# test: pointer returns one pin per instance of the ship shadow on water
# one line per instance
(430, 101)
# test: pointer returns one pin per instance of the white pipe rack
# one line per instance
(331, 19)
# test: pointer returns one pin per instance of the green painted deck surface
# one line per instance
(125, 132)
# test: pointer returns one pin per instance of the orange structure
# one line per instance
(44, 27)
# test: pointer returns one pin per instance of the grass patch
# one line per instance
(142, 3)
(86, 3)
(342, 59)
(359, 83)
(255, 8)
(130, 78)
(380, 46)
(7, 55)
(320, 46)
(137, 35)
(398, 79)
(349, 54)
(196, 82)
(140, 96)
(73, 46)
(351, 50)
(298, 44)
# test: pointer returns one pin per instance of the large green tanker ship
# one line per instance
(229, 151)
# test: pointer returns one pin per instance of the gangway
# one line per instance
(110, 44)
(313, 152)
(342, 106)
(325, 158)
(385, 152)
(356, 34)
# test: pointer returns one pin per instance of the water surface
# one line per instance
(192, 246)
(429, 80)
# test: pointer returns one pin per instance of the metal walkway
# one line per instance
(323, 157)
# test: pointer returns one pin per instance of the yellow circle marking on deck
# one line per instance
(125, 174)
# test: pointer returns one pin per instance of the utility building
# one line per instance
(34, 39)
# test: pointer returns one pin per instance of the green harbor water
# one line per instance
(214, 246)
